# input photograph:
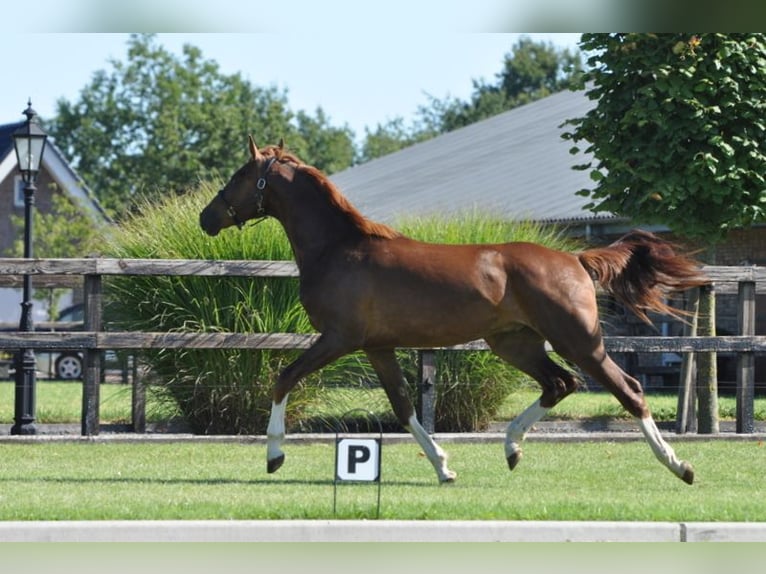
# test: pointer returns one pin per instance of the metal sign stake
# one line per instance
(357, 459)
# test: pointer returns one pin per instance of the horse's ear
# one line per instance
(281, 144)
(253, 148)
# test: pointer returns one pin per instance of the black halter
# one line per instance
(260, 185)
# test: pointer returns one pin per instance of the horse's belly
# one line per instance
(428, 325)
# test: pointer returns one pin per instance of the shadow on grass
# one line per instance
(200, 481)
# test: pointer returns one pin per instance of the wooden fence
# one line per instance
(92, 340)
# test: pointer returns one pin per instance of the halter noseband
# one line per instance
(260, 185)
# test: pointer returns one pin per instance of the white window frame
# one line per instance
(18, 191)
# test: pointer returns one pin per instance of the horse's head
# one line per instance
(244, 197)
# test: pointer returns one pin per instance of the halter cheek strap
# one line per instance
(260, 185)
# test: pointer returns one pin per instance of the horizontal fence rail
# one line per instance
(80, 341)
(93, 339)
(16, 268)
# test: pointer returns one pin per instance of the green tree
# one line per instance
(390, 137)
(330, 148)
(63, 232)
(158, 121)
(530, 71)
(678, 132)
(677, 139)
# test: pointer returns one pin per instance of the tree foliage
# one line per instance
(329, 148)
(530, 71)
(390, 137)
(678, 130)
(64, 231)
(158, 121)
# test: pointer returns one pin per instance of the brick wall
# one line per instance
(743, 247)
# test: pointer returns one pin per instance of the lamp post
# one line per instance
(29, 141)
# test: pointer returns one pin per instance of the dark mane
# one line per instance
(335, 197)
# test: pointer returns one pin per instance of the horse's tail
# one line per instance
(640, 270)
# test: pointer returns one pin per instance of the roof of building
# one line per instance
(515, 165)
(6, 131)
(57, 166)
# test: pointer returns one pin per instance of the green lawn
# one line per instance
(575, 481)
(581, 405)
(61, 402)
(603, 405)
(578, 481)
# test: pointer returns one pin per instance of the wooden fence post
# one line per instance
(707, 371)
(138, 400)
(686, 413)
(746, 360)
(426, 408)
(92, 375)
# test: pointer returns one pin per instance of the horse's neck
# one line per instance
(314, 231)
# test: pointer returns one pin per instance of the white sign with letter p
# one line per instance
(358, 459)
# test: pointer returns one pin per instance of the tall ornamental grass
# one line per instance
(227, 391)
(223, 391)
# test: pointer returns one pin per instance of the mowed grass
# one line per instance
(590, 405)
(61, 402)
(567, 481)
(572, 481)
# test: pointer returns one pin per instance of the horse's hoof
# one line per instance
(513, 459)
(688, 475)
(273, 465)
(449, 478)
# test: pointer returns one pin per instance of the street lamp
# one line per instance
(29, 141)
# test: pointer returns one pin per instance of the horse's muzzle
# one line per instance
(208, 223)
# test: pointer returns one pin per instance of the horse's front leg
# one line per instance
(324, 351)
(391, 378)
(275, 436)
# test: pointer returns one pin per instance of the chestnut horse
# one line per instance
(367, 287)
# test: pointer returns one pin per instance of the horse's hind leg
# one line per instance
(391, 378)
(628, 392)
(525, 350)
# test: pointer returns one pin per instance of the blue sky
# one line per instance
(359, 77)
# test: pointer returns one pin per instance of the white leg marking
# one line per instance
(662, 450)
(519, 427)
(275, 432)
(432, 450)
